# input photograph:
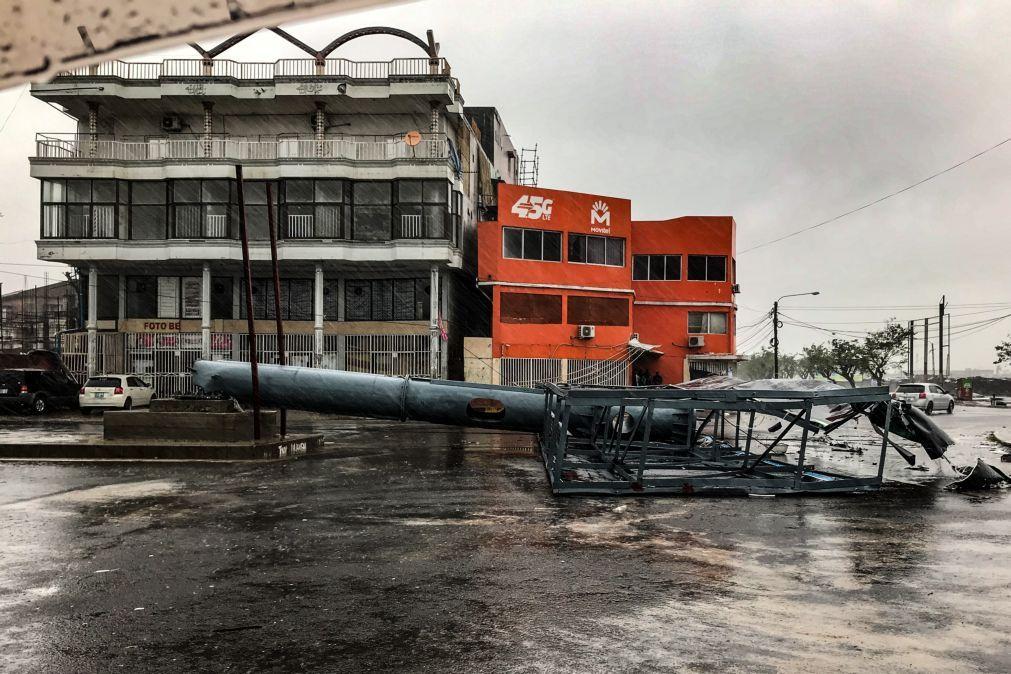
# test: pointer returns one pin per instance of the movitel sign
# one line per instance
(520, 206)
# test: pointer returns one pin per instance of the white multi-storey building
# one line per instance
(375, 171)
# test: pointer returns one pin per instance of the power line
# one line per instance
(876, 201)
(13, 108)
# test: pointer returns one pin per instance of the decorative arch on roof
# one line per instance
(430, 47)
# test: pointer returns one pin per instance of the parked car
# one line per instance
(35, 382)
(928, 397)
(115, 391)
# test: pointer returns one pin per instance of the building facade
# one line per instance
(37, 317)
(580, 292)
(372, 172)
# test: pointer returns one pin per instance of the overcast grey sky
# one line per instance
(780, 114)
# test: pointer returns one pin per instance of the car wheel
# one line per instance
(951, 407)
(930, 408)
(40, 405)
(127, 404)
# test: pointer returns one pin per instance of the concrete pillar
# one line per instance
(446, 289)
(122, 299)
(433, 128)
(92, 324)
(318, 315)
(92, 128)
(208, 127)
(319, 126)
(237, 282)
(433, 324)
(205, 313)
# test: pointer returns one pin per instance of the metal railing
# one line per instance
(403, 68)
(299, 227)
(70, 146)
(411, 227)
(530, 372)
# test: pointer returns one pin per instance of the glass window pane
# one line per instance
(257, 225)
(147, 222)
(79, 191)
(553, 246)
(436, 191)
(103, 221)
(640, 267)
(298, 191)
(329, 190)
(255, 192)
(186, 192)
(147, 192)
(595, 249)
(78, 220)
(655, 267)
(141, 296)
(168, 297)
(435, 221)
(357, 300)
(53, 191)
(372, 223)
(577, 248)
(103, 191)
(221, 297)
(409, 191)
(299, 300)
(53, 224)
(532, 244)
(187, 222)
(673, 268)
(422, 300)
(372, 193)
(382, 300)
(615, 250)
(331, 302)
(215, 191)
(717, 268)
(718, 323)
(328, 222)
(696, 322)
(512, 242)
(696, 267)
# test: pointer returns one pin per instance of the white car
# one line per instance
(115, 391)
(928, 397)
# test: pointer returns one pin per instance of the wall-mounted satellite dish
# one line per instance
(412, 138)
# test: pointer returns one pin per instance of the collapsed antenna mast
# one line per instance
(530, 165)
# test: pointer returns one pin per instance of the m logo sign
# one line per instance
(600, 217)
(533, 207)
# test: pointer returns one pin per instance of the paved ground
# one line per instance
(424, 548)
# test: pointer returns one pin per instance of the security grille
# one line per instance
(528, 372)
(598, 372)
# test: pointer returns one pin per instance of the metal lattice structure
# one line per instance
(620, 455)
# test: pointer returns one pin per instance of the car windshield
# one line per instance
(103, 382)
(911, 388)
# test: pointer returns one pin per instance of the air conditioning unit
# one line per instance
(172, 123)
(587, 331)
(736, 288)
(696, 342)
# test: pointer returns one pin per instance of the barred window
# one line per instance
(296, 299)
(386, 299)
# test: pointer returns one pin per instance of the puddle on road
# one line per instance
(101, 494)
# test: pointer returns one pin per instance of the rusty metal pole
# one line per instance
(281, 356)
(247, 276)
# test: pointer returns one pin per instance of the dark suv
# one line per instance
(35, 382)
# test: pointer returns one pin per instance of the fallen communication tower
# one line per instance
(607, 440)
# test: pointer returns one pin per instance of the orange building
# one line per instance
(577, 288)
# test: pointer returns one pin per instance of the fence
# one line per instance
(166, 358)
(403, 68)
(72, 146)
(529, 372)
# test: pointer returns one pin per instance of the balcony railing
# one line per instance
(78, 147)
(300, 69)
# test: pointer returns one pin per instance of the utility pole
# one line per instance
(912, 331)
(926, 347)
(940, 339)
(775, 339)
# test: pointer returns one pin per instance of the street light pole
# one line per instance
(775, 330)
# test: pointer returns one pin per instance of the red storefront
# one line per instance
(559, 268)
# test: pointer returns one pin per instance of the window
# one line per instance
(373, 211)
(606, 250)
(296, 299)
(108, 297)
(386, 300)
(314, 209)
(422, 209)
(201, 208)
(707, 268)
(141, 296)
(254, 195)
(531, 244)
(585, 310)
(656, 267)
(148, 210)
(221, 297)
(531, 308)
(707, 323)
(80, 209)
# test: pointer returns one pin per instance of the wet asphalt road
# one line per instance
(423, 548)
